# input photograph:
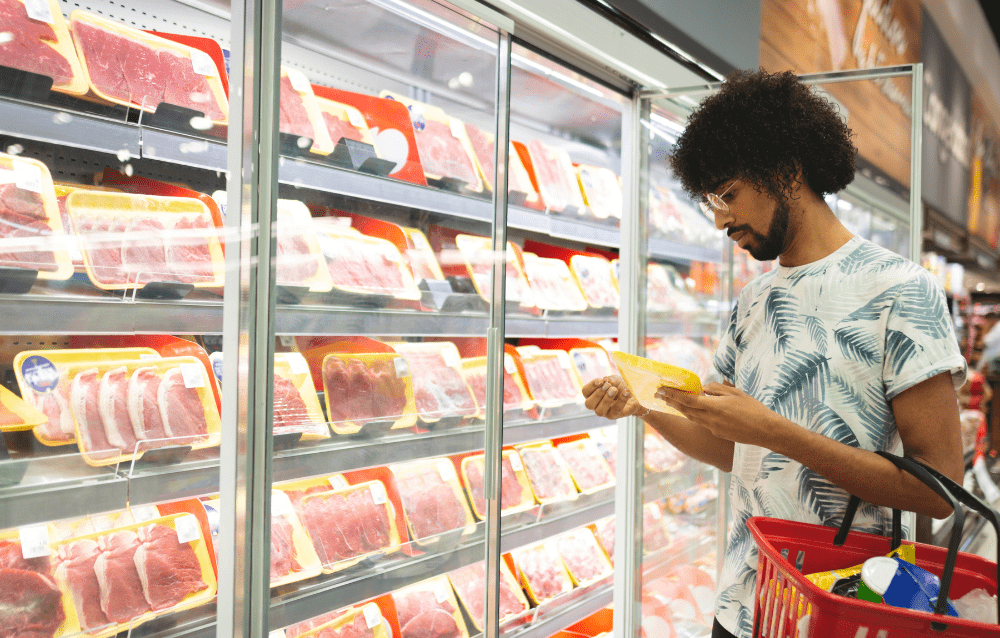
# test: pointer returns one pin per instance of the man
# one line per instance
(843, 349)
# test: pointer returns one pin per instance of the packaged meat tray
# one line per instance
(518, 180)
(663, 293)
(682, 352)
(45, 385)
(297, 490)
(604, 531)
(550, 380)
(364, 266)
(420, 256)
(16, 415)
(469, 583)
(39, 42)
(296, 406)
(477, 252)
(300, 113)
(122, 408)
(445, 149)
(591, 363)
(515, 395)
(594, 275)
(433, 502)
(363, 389)
(586, 465)
(429, 608)
(542, 571)
(439, 390)
(32, 601)
(300, 261)
(660, 456)
(552, 284)
(602, 191)
(547, 470)
(654, 529)
(584, 559)
(345, 525)
(515, 489)
(129, 240)
(127, 576)
(62, 190)
(32, 235)
(133, 68)
(344, 121)
(363, 622)
(556, 178)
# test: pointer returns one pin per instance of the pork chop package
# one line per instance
(477, 253)
(32, 235)
(358, 622)
(134, 68)
(555, 176)
(365, 390)
(126, 576)
(364, 267)
(469, 583)
(445, 149)
(602, 191)
(550, 378)
(300, 261)
(17, 415)
(552, 284)
(132, 240)
(32, 601)
(584, 559)
(440, 391)
(432, 498)
(604, 531)
(542, 572)
(547, 470)
(518, 180)
(594, 275)
(343, 121)
(654, 529)
(43, 379)
(515, 394)
(121, 409)
(38, 42)
(586, 465)
(591, 363)
(429, 608)
(300, 114)
(515, 489)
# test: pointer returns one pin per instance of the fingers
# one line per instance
(591, 386)
(606, 400)
(720, 389)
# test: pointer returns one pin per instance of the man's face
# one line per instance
(756, 221)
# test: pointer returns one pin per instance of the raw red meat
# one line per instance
(476, 378)
(23, 217)
(187, 251)
(169, 570)
(31, 47)
(340, 128)
(594, 274)
(181, 408)
(298, 629)
(129, 70)
(585, 464)
(104, 252)
(353, 264)
(420, 614)
(290, 411)
(30, 605)
(606, 536)
(485, 150)
(438, 389)
(294, 264)
(443, 155)
(282, 549)
(435, 623)
(76, 569)
(356, 629)
(121, 588)
(12, 558)
(430, 504)
(547, 473)
(363, 394)
(544, 571)
(144, 256)
(114, 409)
(55, 405)
(144, 405)
(582, 555)
(85, 401)
(510, 488)
(345, 525)
(552, 284)
(295, 496)
(654, 536)
(470, 582)
(548, 380)
(20, 201)
(294, 118)
(558, 185)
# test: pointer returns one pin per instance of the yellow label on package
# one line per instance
(826, 580)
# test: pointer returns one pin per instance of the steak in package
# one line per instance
(515, 395)
(349, 523)
(363, 265)
(477, 252)
(583, 557)
(359, 622)
(469, 582)
(300, 113)
(556, 178)
(30, 599)
(547, 471)
(429, 610)
(300, 261)
(596, 279)
(38, 41)
(432, 498)
(552, 284)
(31, 229)
(439, 389)
(362, 389)
(420, 255)
(549, 377)
(586, 465)
(542, 571)
(515, 490)
(344, 122)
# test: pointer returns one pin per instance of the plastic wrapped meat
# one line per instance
(659, 455)
(583, 557)
(442, 154)
(470, 582)
(187, 251)
(439, 389)
(365, 265)
(346, 523)
(586, 464)
(606, 536)
(475, 376)
(181, 407)
(548, 474)
(604, 193)
(550, 383)
(544, 572)
(55, 406)
(592, 363)
(31, 44)
(85, 401)
(424, 612)
(168, 569)
(556, 178)
(654, 534)
(340, 129)
(76, 569)
(360, 393)
(23, 216)
(295, 263)
(282, 549)
(290, 411)
(552, 284)
(682, 352)
(430, 502)
(511, 491)
(294, 119)
(596, 280)
(29, 598)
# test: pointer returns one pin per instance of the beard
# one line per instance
(769, 247)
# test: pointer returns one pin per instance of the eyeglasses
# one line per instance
(715, 202)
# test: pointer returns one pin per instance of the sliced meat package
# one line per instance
(39, 42)
(477, 252)
(300, 113)
(300, 261)
(515, 395)
(552, 284)
(130, 67)
(518, 180)
(550, 477)
(429, 610)
(584, 559)
(439, 389)
(596, 280)
(362, 265)
(30, 599)
(586, 465)
(32, 235)
(469, 583)
(16, 415)
(550, 379)
(362, 622)
(432, 498)
(344, 122)
(556, 178)
(604, 531)
(542, 572)
(601, 190)
(659, 455)
(654, 529)
(591, 363)
(349, 523)
(361, 389)
(515, 490)
(296, 405)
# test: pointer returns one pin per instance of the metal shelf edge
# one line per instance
(78, 130)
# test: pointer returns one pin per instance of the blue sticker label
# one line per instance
(40, 374)
(581, 363)
(217, 368)
(213, 519)
(225, 55)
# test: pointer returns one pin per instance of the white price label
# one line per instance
(378, 493)
(451, 358)
(277, 633)
(193, 375)
(287, 341)
(440, 591)
(655, 511)
(509, 365)
(515, 462)
(187, 528)
(446, 469)
(202, 63)
(591, 447)
(456, 128)
(143, 513)
(297, 363)
(563, 359)
(34, 542)
(356, 119)
(281, 505)
(7, 176)
(28, 176)
(145, 356)
(299, 81)
(39, 10)
(402, 367)
(419, 241)
(372, 615)
(338, 482)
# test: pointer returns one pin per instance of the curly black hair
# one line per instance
(761, 128)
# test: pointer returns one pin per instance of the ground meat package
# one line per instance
(594, 275)
(16, 415)
(518, 180)
(344, 122)
(601, 190)
(515, 488)
(432, 498)
(429, 610)
(360, 622)
(133, 68)
(469, 583)
(515, 394)
(477, 252)
(584, 559)
(367, 389)
(363, 266)
(553, 285)
(32, 235)
(542, 571)
(591, 363)
(586, 465)
(547, 470)
(556, 177)
(550, 379)
(439, 389)
(39, 42)
(300, 113)
(300, 261)
(30, 596)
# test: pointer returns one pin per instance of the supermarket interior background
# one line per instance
(297, 300)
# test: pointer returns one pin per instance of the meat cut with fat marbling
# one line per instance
(181, 409)
(168, 569)
(29, 45)
(114, 409)
(76, 568)
(144, 406)
(122, 596)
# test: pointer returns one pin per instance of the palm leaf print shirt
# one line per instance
(826, 345)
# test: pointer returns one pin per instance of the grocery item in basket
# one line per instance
(557, 181)
(439, 389)
(515, 493)
(586, 465)
(645, 376)
(429, 609)
(543, 572)
(31, 602)
(30, 225)
(549, 378)
(469, 582)
(899, 583)
(432, 498)
(552, 284)
(364, 265)
(39, 42)
(826, 580)
(601, 190)
(584, 558)
(349, 523)
(550, 478)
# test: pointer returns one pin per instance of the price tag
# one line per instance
(456, 128)
(509, 365)
(515, 462)
(7, 176)
(145, 356)
(287, 341)
(34, 542)
(402, 367)
(202, 63)
(277, 633)
(563, 358)
(419, 241)
(28, 176)
(451, 357)
(372, 615)
(356, 119)
(193, 375)
(654, 511)
(440, 591)
(297, 363)
(187, 528)
(338, 482)
(378, 493)
(299, 81)
(446, 469)
(39, 10)
(143, 513)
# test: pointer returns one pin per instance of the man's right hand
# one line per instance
(609, 397)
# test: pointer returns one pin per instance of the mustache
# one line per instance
(737, 229)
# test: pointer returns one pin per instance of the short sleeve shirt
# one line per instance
(826, 345)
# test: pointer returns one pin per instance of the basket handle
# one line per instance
(925, 477)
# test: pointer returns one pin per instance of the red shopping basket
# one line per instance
(788, 605)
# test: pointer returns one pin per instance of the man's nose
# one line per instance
(722, 218)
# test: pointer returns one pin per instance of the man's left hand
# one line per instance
(728, 413)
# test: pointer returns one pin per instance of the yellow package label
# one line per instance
(826, 580)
